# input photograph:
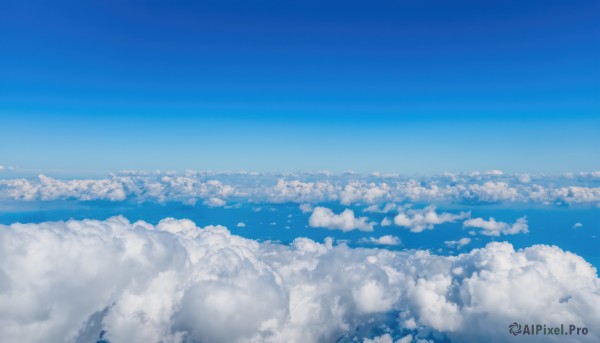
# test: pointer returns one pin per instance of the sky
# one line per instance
(405, 171)
(402, 86)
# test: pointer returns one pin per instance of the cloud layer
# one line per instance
(215, 189)
(174, 282)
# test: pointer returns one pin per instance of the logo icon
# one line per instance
(514, 328)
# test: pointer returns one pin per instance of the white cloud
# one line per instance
(386, 222)
(492, 227)
(306, 208)
(241, 224)
(346, 221)
(215, 202)
(577, 225)
(459, 243)
(174, 282)
(389, 207)
(425, 219)
(346, 189)
(383, 240)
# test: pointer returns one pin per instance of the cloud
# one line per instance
(174, 282)
(425, 219)
(383, 240)
(346, 221)
(306, 208)
(241, 224)
(459, 243)
(386, 222)
(214, 202)
(577, 225)
(492, 227)
(347, 189)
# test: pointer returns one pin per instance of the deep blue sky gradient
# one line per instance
(403, 86)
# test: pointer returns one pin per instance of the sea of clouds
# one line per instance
(77, 281)
(217, 189)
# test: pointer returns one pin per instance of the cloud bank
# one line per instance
(214, 189)
(175, 282)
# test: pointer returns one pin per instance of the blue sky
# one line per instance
(403, 86)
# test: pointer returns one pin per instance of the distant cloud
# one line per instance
(376, 196)
(306, 208)
(139, 282)
(459, 243)
(577, 225)
(241, 224)
(425, 219)
(346, 221)
(383, 240)
(492, 227)
(215, 202)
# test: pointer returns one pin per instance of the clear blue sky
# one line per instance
(404, 86)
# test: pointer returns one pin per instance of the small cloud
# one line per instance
(345, 221)
(306, 208)
(241, 224)
(459, 243)
(492, 227)
(577, 225)
(389, 207)
(214, 202)
(426, 218)
(383, 240)
(386, 221)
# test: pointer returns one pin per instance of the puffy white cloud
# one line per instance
(346, 189)
(389, 207)
(306, 208)
(459, 243)
(386, 222)
(175, 282)
(214, 202)
(425, 219)
(577, 225)
(241, 224)
(492, 227)
(491, 192)
(383, 240)
(346, 221)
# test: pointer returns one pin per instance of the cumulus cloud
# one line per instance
(425, 219)
(386, 222)
(492, 227)
(346, 221)
(347, 189)
(306, 208)
(459, 243)
(215, 202)
(383, 240)
(175, 282)
(241, 224)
